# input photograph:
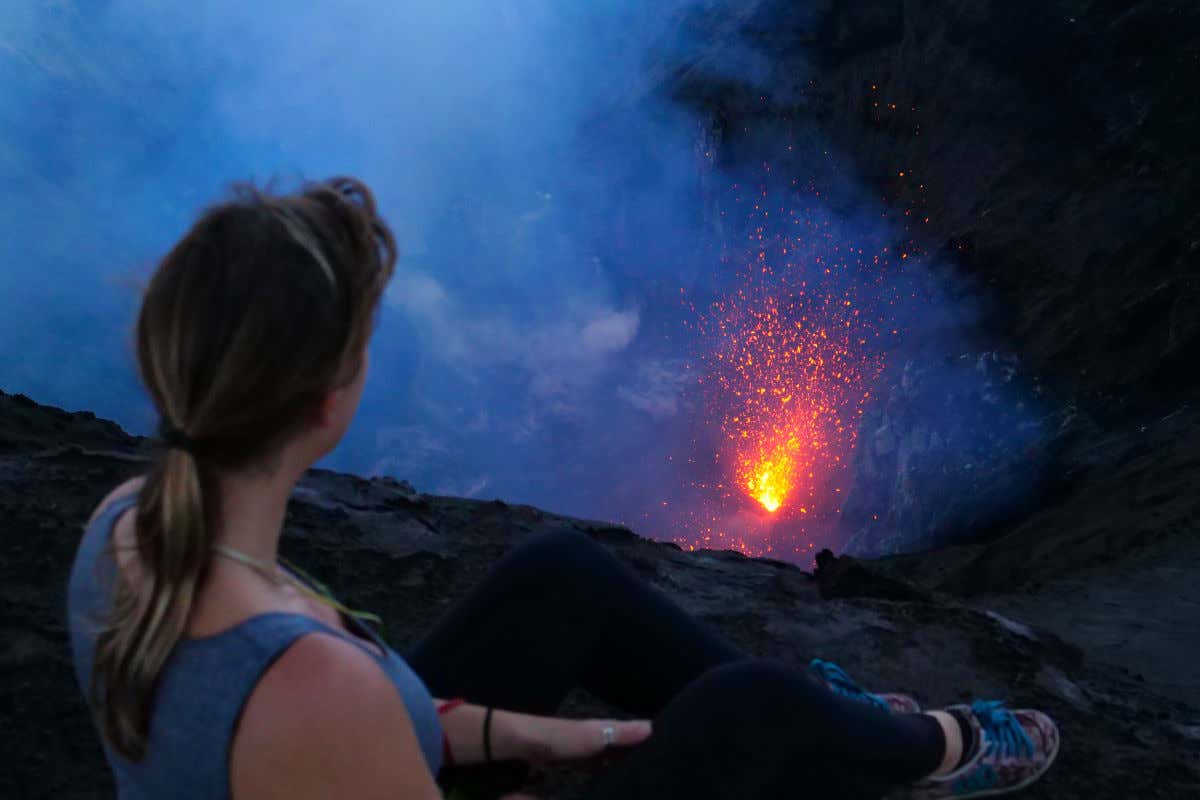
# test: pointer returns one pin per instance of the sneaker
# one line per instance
(1012, 750)
(837, 681)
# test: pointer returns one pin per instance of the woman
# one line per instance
(214, 671)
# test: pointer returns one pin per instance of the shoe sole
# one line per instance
(1019, 786)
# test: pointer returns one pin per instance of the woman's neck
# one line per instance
(252, 512)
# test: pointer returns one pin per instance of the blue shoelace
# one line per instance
(843, 684)
(1003, 731)
(1004, 736)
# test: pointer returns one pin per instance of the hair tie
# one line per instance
(173, 437)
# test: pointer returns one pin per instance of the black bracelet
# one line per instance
(487, 735)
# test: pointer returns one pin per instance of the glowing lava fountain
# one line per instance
(788, 361)
(790, 378)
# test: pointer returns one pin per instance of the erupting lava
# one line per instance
(790, 378)
(787, 362)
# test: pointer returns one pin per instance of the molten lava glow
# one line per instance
(788, 359)
(789, 378)
(770, 480)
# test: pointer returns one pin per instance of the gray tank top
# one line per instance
(206, 681)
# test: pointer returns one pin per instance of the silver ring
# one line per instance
(610, 735)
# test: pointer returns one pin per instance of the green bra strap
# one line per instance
(330, 600)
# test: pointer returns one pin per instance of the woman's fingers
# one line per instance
(625, 732)
(628, 732)
(557, 739)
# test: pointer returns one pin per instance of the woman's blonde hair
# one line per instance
(266, 304)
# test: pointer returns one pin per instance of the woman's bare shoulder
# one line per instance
(326, 720)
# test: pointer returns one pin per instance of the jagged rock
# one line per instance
(849, 577)
(1052, 680)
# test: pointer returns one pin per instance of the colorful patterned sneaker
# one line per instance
(837, 681)
(1012, 750)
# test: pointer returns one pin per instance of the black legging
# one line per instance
(560, 611)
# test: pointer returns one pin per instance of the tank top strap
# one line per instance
(108, 517)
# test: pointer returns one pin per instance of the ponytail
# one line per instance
(147, 620)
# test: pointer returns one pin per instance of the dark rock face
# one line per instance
(383, 546)
(950, 427)
(1054, 149)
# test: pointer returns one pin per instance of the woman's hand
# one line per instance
(547, 739)
(533, 738)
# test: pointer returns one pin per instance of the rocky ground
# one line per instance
(1110, 559)
(381, 545)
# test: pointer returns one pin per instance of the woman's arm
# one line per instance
(326, 721)
(533, 738)
(463, 726)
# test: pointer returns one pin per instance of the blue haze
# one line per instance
(504, 365)
(548, 204)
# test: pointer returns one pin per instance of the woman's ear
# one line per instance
(328, 410)
(325, 413)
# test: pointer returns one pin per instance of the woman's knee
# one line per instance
(563, 552)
